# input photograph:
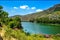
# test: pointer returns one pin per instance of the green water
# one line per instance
(38, 28)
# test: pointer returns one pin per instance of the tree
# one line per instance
(15, 23)
(3, 16)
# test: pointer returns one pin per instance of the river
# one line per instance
(38, 28)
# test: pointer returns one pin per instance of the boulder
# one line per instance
(47, 36)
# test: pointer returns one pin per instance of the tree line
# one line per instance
(48, 18)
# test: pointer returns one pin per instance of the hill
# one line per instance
(50, 11)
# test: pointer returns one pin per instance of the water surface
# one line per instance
(38, 28)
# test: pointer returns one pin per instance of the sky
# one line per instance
(26, 7)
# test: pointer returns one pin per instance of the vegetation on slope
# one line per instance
(14, 23)
(50, 18)
(17, 34)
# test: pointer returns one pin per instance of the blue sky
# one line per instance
(26, 7)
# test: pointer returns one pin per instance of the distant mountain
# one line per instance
(32, 16)
(38, 14)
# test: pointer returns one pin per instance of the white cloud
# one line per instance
(24, 7)
(15, 7)
(33, 7)
(38, 10)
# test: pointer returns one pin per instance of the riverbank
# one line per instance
(16, 34)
